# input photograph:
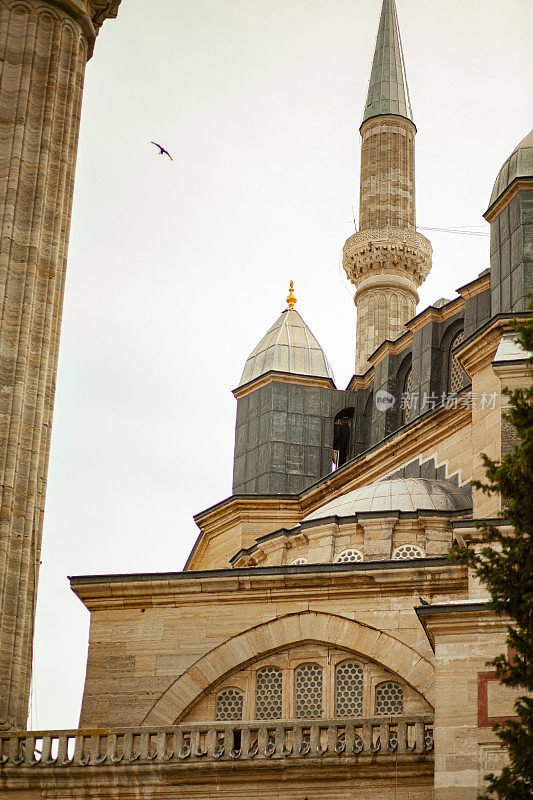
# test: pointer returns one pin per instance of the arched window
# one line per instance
(297, 561)
(308, 691)
(406, 395)
(389, 699)
(268, 693)
(229, 704)
(348, 555)
(348, 689)
(455, 373)
(407, 551)
(342, 427)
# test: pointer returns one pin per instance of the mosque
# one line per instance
(318, 644)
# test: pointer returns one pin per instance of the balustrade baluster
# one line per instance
(368, 731)
(211, 740)
(79, 746)
(29, 750)
(402, 737)
(245, 742)
(419, 736)
(46, 754)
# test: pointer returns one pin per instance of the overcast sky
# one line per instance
(177, 269)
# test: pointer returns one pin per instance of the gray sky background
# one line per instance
(177, 269)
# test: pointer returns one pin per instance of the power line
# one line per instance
(461, 231)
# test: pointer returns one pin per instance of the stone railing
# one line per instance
(221, 741)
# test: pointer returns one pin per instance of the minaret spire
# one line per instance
(387, 259)
(388, 92)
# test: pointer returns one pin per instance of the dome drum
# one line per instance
(402, 518)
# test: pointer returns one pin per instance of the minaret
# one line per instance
(44, 46)
(387, 259)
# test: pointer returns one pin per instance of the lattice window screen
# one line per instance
(229, 704)
(349, 689)
(407, 551)
(389, 699)
(308, 684)
(268, 693)
(455, 373)
(348, 556)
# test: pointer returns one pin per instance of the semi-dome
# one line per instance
(518, 165)
(289, 346)
(396, 494)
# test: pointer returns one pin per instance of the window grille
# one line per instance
(229, 704)
(299, 560)
(389, 699)
(455, 373)
(308, 683)
(407, 389)
(268, 693)
(407, 551)
(348, 555)
(348, 689)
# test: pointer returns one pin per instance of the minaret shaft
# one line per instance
(387, 259)
(43, 53)
(387, 197)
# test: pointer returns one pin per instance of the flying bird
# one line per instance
(162, 150)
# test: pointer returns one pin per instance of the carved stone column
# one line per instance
(44, 46)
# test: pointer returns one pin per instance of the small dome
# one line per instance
(397, 494)
(289, 346)
(518, 165)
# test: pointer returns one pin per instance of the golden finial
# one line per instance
(291, 300)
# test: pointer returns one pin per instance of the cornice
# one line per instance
(518, 185)
(459, 618)
(252, 508)
(312, 583)
(281, 377)
(475, 287)
(391, 347)
(479, 349)
(361, 381)
(378, 120)
(512, 370)
(433, 314)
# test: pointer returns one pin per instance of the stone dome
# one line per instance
(396, 494)
(289, 346)
(518, 165)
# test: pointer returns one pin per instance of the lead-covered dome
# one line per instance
(518, 165)
(396, 494)
(289, 346)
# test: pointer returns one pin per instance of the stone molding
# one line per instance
(89, 15)
(282, 632)
(387, 251)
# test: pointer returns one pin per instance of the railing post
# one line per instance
(262, 740)
(402, 737)
(419, 737)
(367, 737)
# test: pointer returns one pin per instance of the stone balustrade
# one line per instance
(220, 741)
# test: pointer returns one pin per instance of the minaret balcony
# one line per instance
(389, 251)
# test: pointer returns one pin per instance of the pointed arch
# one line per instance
(290, 630)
